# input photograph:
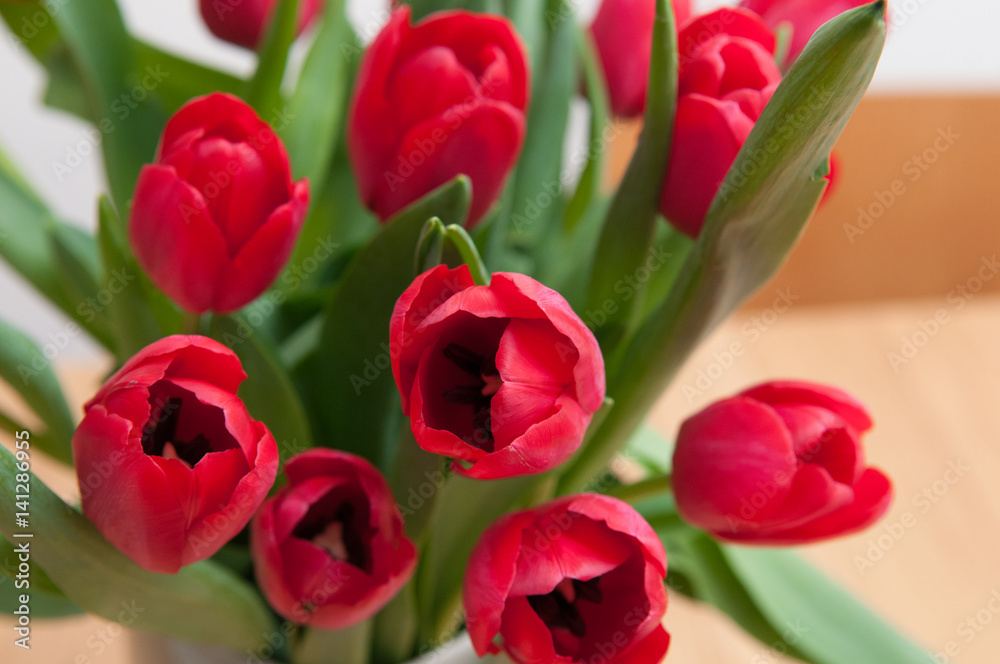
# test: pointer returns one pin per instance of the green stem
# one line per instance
(633, 493)
(264, 89)
(191, 323)
(342, 646)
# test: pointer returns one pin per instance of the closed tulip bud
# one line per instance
(171, 466)
(216, 217)
(245, 22)
(444, 97)
(780, 463)
(727, 74)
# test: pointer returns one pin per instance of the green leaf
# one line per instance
(99, 579)
(701, 562)
(79, 264)
(268, 392)
(430, 246)
(353, 396)
(317, 107)
(630, 225)
(203, 602)
(31, 26)
(832, 627)
(459, 238)
(597, 95)
(128, 116)
(264, 89)
(139, 314)
(758, 214)
(465, 508)
(422, 8)
(179, 79)
(28, 243)
(45, 599)
(28, 371)
(350, 645)
(538, 179)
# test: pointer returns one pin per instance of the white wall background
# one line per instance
(934, 46)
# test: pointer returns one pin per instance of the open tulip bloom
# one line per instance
(377, 334)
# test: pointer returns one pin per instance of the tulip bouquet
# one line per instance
(384, 341)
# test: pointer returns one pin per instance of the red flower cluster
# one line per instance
(505, 377)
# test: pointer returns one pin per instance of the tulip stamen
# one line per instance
(339, 538)
(558, 609)
(479, 396)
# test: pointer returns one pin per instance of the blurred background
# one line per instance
(891, 294)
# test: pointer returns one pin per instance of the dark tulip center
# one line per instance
(559, 608)
(165, 434)
(478, 393)
(344, 535)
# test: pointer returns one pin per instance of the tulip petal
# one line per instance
(261, 260)
(527, 639)
(790, 392)
(437, 79)
(708, 134)
(650, 650)
(488, 578)
(733, 464)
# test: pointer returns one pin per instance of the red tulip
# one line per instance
(216, 217)
(579, 579)
(245, 22)
(727, 74)
(170, 464)
(780, 463)
(623, 35)
(805, 16)
(504, 377)
(329, 549)
(443, 97)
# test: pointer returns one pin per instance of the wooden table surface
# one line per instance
(937, 411)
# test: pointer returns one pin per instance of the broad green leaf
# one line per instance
(832, 626)
(28, 245)
(28, 370)
(350, 645)
(630, 225)
(755, 219)
(465, 508)
(352, 394)
(79, 262)
(268, 392)
(31, 26)
(128, 117)
(45, 600)
(316, 109)
(395, 633)
(264, 89)
(203, 602)
(139, 314)
(536, 202)
(178, 79)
